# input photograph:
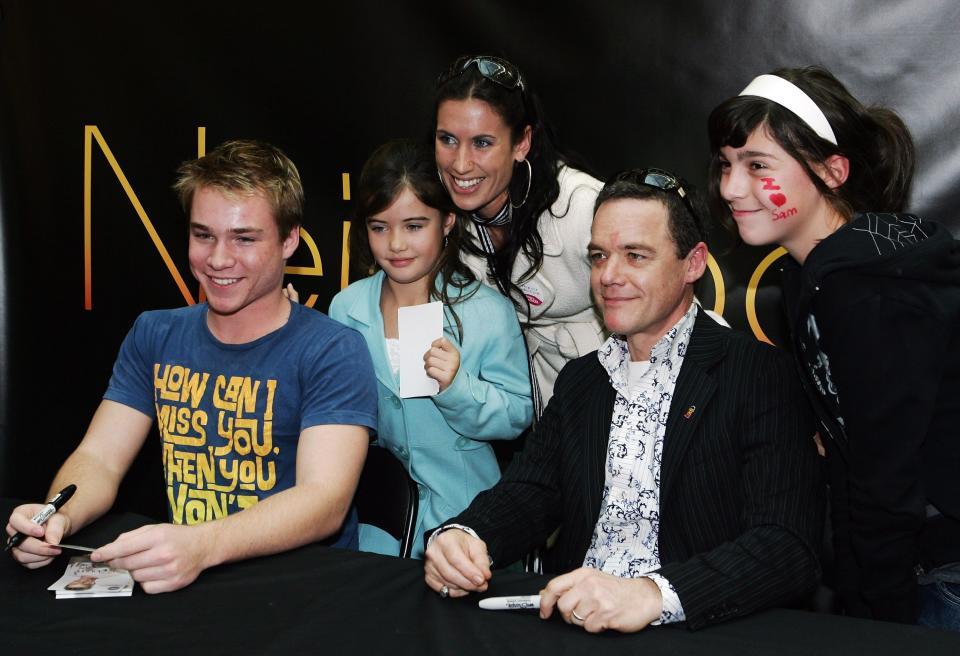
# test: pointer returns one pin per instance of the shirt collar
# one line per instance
(614, 354)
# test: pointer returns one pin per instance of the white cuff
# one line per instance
(466, 529)
(672, 608)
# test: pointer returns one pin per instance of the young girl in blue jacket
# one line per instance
(406, 227)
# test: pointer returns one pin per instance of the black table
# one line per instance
(321, 600)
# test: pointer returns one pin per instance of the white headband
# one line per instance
(789, 95)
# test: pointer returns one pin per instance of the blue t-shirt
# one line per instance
(230, 415)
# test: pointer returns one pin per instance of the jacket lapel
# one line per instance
(598, 437)
(691, 396)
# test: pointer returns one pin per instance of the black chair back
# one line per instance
(388, 498)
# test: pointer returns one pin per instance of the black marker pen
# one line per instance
(41, 517)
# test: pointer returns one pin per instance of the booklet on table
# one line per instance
(84, 578)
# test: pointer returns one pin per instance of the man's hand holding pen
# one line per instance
(36, 529)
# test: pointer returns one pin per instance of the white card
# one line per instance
(419, 326)
(75, 547)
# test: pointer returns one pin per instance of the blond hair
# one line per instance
(247, 167)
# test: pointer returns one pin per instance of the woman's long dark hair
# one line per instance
(391, 168)
(519, 108)
(874, 140)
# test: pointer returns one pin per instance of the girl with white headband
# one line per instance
(873, 298)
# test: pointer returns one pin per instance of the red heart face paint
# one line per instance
(777, 199)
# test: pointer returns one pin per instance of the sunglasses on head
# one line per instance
(658, 179)
(497, 70)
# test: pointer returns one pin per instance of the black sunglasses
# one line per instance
(659, 179)
(494, 69)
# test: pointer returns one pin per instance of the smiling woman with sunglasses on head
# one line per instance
(874, 305)
(528, 212)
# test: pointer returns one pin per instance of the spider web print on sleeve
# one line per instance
(904, 230)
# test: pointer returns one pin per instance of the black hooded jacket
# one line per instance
(875, 316)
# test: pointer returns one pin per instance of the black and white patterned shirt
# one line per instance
(625, 539)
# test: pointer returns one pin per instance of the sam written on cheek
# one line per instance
(778, 199)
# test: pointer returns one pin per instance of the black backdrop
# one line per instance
(624, 83)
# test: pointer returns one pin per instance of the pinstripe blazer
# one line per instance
(742, 497)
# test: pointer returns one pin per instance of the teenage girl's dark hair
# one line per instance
(874, 139)
(393, 167)
(518, 107)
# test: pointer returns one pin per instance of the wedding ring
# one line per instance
(444, 592)
(577, 617)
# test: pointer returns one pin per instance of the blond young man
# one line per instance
(263, 406)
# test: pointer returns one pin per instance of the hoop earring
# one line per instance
(529, 182)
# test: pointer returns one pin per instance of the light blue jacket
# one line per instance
(444, 440)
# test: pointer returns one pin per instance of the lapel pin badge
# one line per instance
(689, 412)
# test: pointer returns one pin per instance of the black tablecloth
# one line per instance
(321, 600)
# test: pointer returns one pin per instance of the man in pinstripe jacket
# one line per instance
(677, 461)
